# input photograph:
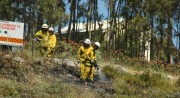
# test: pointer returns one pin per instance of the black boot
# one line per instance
(91, 81)
(82, 81)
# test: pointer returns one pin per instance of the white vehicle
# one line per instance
(11, 33)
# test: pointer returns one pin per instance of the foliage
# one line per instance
(178, 82)
(149, 81)
(110, 72)
(6, 10)
(51, 12)
(67, 48)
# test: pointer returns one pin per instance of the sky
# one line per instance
(101, 7)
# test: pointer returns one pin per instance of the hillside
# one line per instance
(27, 76)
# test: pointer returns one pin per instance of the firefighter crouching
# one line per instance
(85, 58)
(52, 42)
(42, 37)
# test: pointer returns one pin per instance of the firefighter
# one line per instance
(42, 37)
(85, 57)
(95, 46)
(52, 42)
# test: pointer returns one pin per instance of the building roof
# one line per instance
(81, 27)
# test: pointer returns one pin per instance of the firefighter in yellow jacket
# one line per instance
(42, 37)
(52, 42)
(85, 54)
(95, 46)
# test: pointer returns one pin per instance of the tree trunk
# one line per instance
(161, 39)
(112, 25)
(169, 40)
(152, 40)
(70, 21)
(74, 18)
(59, 31)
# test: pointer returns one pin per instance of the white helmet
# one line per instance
(87, 41)
(51, 29)
(45, 26)
(97, 44)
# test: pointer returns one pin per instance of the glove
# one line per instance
(95, 61)
(96, 66)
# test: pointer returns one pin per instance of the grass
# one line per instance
(31, 79)
(42, 86)
(147, 84)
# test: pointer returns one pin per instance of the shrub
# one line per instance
(143, 85)
(110, 72)
(9, 92)
(178, 82)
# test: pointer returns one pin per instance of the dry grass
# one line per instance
(31, 79)
(147, 84)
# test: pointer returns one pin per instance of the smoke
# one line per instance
(101, 75)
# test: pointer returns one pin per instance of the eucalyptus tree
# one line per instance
(7, 11)
(50, 11)
(150, 11)
(135, 23)
(160, 15)
(72, 18)
(176, 27)
(61, 4)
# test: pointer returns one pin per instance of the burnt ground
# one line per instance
(104, 88)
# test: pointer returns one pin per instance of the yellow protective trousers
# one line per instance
(87, 71)
(81, 70)
(49, 52)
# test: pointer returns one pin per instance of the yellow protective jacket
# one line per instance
(93, 54)
(85, 55)
(42, 37)
(52, 41)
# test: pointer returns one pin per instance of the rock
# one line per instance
(8, 56)
(69, 63)
(58, 61)
(169, 77)
(100, 90)
(71, 67)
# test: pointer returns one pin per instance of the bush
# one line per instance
(9, 92)
(143, 85)
(110, 72)
(178, 82)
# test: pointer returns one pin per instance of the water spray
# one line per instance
(101, 75)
